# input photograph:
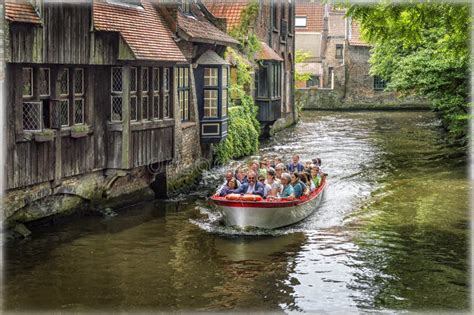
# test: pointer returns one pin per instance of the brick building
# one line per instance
(338, 65)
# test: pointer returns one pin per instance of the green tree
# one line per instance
(300, 57)
(422, 48)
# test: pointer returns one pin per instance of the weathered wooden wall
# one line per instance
(64, 37)
(151, 145)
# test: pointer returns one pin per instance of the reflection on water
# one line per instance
(390, 234)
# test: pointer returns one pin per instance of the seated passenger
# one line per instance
(252, 186)
(228, 176)
(287, 190)
(263, 168)
(307, 166)
(280, 167)
(229, 188)
(273, 182)
(307, 185)
(295, 166)
(315, 177)
(240, 174)
(298, 186)
(266, 187)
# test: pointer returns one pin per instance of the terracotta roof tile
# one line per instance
(355, 39)
(143, 29)
(267, 53)
(230, 10)
(314, 13)
(200, 29)
(21, 11)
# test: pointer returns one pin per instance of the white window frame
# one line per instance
(301, 18)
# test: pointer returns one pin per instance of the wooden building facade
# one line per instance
(104, 87)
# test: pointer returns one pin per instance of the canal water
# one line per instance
(391, 234)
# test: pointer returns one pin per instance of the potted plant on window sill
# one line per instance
(44, 135)
(79, 131)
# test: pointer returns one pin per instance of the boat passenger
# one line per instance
(298, 186)
(263, 168)
(287, 190)
(307, 166)
(266, 188)
(252, 186)
(229, 188)
(229, 174)
(280, 167)
(241, 176)
(295, 166)
(307, 185)
(315, 176)
(273, 182)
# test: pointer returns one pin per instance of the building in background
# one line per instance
(339, 63)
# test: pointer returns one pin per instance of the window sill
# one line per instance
(151, 124)
(187, 124)
(275, 30)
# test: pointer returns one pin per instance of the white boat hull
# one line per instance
(266, 214)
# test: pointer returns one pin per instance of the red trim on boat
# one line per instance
(275, 203)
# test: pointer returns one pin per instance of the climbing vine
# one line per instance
(243, 127)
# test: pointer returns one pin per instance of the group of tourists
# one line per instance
(270, 178)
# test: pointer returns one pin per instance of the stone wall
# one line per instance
(328, 99)
(353, 86)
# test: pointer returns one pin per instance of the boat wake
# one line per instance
(212, 222)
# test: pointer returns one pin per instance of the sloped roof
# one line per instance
(21, 11)
(210, 57)
(199, 29)
(267, 53)
(142, 28)
(314, 13)
(355, 39)
(230, 10)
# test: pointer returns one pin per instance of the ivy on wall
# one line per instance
(243, 127)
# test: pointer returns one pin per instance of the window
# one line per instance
(40, 111)
(225, 97)
(78, 96)
(63, 102)
(156, 94)
(274, 14)
(313, 81)
(300, 21)
(276, 78)
(116, 97)
(211, 92)
(44, 82)
(183, 92)
(290, 17)
(32, 114)
(210, 103)
(166, 92)
(27, 82)
(133, 94)
(185, 6)
(210, 76)
(144, 93)
(262, 81)
(339, 51)
(379, 83)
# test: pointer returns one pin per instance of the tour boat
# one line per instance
(267, 213)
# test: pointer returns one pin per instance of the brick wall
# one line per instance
(314, 12)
